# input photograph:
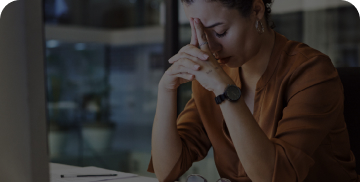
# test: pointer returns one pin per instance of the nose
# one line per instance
(215, 46)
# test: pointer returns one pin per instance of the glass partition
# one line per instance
(104, 60)
(332, 31)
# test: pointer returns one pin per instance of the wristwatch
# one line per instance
(232, 93)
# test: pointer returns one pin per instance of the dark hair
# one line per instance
(244, 7)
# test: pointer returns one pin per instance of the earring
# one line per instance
(215, 55)
(260, 30)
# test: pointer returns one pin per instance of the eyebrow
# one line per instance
(214, 25)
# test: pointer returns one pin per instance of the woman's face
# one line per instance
(230, 35)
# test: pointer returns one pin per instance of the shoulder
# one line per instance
(300, 59)
(293, 48)
(301, 67)
(297, 54)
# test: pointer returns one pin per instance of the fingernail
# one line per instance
(196, 67)
(206, 56)
(197, 20)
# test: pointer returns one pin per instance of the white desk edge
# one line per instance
(55, 166)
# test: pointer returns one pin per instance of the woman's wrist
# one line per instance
(163, 90)
(165, 87)
(220, 88)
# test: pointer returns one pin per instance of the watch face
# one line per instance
(233, 92)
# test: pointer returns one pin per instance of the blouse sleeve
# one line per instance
(314, 104)
(195, 142)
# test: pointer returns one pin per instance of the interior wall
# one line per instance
(23, 153)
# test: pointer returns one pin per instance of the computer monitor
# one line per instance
(23, 136)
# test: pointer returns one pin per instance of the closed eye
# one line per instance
(220, 35)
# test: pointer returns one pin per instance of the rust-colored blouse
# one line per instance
(299, 106)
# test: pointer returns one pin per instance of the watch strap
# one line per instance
(220, 98)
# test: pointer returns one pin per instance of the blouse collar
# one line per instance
(279, 44)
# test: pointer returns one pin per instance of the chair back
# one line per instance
(350, 78)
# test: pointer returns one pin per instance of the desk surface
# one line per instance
(55, 166)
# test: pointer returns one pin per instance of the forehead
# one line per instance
(209, 12)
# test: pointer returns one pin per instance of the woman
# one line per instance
(285, 125)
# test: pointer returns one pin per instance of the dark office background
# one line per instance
(104, 61)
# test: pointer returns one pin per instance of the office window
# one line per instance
(103, 14)
(104, 60)
(332, 31)
(123, 58)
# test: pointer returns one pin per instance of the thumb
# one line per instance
(194, 40)
(201, 36)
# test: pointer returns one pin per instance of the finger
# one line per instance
(201, 36)
(193, 34)
(177, 69)
(186, 77)
(182, 55)
(183, 66)
(186, 65)
(190, 52)
(195, 51)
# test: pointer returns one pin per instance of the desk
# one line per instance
(54, 166)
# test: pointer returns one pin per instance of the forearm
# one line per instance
(255, 151)
(166, 143)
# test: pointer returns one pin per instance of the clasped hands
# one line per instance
(192, 63)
